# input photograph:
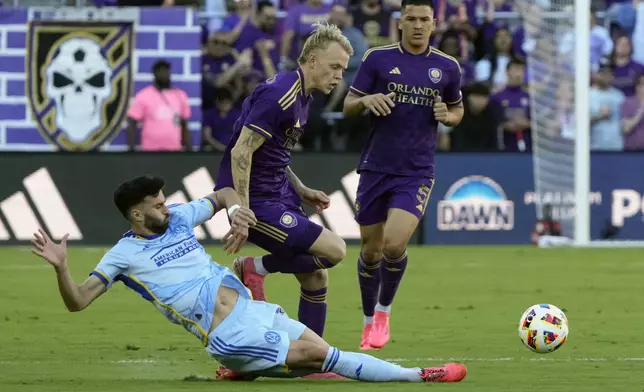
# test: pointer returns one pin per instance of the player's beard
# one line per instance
(157, 226)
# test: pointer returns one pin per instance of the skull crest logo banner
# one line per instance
(79, 80)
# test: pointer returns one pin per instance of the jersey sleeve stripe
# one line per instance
(455, 102)
(290, 92)
(212, 204)
(101, 275)
(357, 92)
(260, 130)
(291, 100)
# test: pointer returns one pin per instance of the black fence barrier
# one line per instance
(72, 193)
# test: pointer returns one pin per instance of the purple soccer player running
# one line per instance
(408, 88)
(256, 165)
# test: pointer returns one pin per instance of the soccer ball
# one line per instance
(543, 328)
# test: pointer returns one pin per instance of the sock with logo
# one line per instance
(367, 368)
(296, 264)
(392, 271)
(312, 311)
(369, 280)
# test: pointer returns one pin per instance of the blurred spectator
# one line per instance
(375, 22)
(449, 45)
(566, 109)
(222, 66)
(297, 27)
(492, 68)
(624, 68)
(218, 122)
(633, 117)
(479, 128)
(513, 102)
(601, 45)
(236, 20)
(341, 18)
(459, 15)
(605, 111)
(163, 112)
(258, 35)
(215, 10)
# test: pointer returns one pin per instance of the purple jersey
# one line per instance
(278, 110)
(625, 76)
(404, 142)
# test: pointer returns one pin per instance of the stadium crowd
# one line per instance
(251, 43)
(497, 42)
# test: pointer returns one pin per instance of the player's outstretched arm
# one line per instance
(76, 297)
(241, 157)
(379, 104)
(229, 199)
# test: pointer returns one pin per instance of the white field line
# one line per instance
(394, 360)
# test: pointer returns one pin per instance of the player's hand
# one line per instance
(246, 58)
(55, 254)
(379, 104)
(243, 217)
(235, 239)
(314, 198)
(440, 110)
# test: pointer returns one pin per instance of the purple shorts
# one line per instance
(378, 192)
(282, 228)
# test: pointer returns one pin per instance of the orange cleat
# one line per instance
(366, 333)
(225, 374)
(380, 331)
(450, 372)
(244, 268)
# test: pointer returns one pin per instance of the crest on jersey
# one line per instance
(288, 220)
(79, 80)
(272, 337)
(435, 75)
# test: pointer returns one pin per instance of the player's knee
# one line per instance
(337, 251)
(394, 247)
(306, 354)
(371, 251)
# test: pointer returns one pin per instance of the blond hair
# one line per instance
(324, 34)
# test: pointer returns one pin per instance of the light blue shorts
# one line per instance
(255, 337)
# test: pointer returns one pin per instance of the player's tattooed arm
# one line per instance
(241, 157)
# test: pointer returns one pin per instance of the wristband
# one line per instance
(233, 209)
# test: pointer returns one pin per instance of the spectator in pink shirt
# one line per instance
(163, 113)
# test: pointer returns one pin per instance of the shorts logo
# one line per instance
(279, 310)
(272, 337)
(357, 206)
(288, 220)
(79, 80)
(435, 75)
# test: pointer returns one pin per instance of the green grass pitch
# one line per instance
(455, 303)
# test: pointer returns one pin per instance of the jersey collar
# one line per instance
(427, 52)
(300, 75)
(131, 234)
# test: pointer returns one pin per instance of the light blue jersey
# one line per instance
(172, 270)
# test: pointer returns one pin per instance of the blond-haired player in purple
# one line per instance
(408, 88)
